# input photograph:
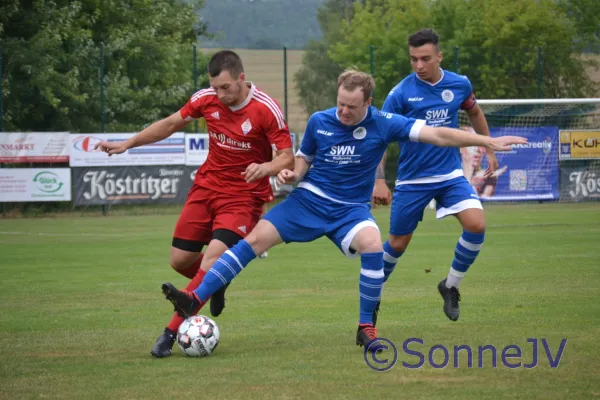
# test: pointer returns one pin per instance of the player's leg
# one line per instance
(192, 233)
(355, 232)
(265, 209)
(367, 242)
(227, 267)
(234, 218)
(469, 244)
(460, 200)
(285, 222)
(408, 204)
(223, 239)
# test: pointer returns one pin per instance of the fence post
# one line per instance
(539, 73)
(102, 122)
(456, 64)
(1, 95)
(285, 85)
(372, 64)
(102, 126)
(195, 72)
(2, 118)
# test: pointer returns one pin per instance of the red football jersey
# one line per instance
(238, 136)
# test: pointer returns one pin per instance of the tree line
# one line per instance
(71, 65)
(506, 48)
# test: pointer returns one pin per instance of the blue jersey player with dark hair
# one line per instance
(335, 168)
(427, 171)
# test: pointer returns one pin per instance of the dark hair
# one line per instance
(423, 37)
(350, 79)
(225, 60)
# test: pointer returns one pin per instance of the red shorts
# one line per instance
(206, 211)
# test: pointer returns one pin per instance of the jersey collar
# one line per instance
(338, 117)
(247, 100)
(429, 83)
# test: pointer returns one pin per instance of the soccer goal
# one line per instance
(561, 160)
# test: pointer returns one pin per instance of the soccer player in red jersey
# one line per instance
(226, 200)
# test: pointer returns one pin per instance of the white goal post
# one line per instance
(562, 158)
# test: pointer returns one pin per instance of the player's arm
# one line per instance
(304, 156)
(284, 159)
(156, 132)
(449, 137)
(301, 167)
(381, 192)
(278, 134)
(479, 123)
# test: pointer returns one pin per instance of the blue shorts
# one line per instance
(304, 216)
(409, 201)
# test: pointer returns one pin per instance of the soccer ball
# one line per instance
(198, 336)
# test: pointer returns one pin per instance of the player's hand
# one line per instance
(255, 172)
(286, 176)
(492, 164)
(111, 147)
(503, 143)
(381, 193)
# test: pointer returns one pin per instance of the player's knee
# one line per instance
(372, 246)
(263, 237)
(180, 261)
(368, 242)
(399, 243)
(177, 264)
(252, 239)
(476, 226)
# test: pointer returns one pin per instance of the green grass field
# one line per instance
(82, 307)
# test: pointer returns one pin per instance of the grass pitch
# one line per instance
(82, 307)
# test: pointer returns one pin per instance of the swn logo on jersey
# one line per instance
(228, 142)
(342, 150)
(437, 114)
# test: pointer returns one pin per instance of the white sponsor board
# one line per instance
(196, 148)
(31, 147)
(170, 151)
(35, 184)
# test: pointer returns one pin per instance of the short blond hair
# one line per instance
(350, 79)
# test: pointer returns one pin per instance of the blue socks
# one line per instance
(370, 284)
(390, 259)
(227, 267)
(466, 251)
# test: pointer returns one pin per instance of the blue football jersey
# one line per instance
(344, 158)
(438, 104)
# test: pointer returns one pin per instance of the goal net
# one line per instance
(560, 162)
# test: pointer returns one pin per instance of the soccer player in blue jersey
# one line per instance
(335, 168)
(427, 171)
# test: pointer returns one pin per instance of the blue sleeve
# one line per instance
(393, 101)
(402, 129)
(468, 95)
(468, 86)
(308, 147)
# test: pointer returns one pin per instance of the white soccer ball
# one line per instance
(198, 336)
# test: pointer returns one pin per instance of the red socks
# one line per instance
(196, 280)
